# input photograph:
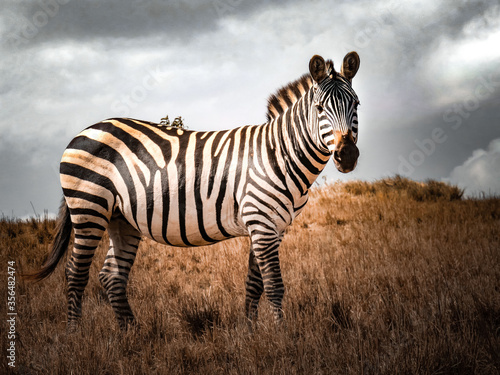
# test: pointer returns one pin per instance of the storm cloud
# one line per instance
(480, 174)
(429, 82)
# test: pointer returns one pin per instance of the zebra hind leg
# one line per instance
(89, 228)
(254, 287)
(123, 243)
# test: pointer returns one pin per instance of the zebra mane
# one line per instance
(288, 95)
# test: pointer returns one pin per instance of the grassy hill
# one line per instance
(388, 277)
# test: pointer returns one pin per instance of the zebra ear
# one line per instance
(350, 65)
(317, 68)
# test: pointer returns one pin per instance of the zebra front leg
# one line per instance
(265, 248)
(254, 287)
(123, 243)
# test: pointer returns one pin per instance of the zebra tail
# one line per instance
(59, 245)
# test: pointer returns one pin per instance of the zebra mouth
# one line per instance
(345, 169)
(346, 156)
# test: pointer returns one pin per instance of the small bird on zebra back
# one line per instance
(187, 188)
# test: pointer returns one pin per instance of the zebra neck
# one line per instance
(302, 153)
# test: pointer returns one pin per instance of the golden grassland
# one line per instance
(390, 277)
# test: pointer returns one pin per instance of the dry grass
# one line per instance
(381, 279)
(404, 188)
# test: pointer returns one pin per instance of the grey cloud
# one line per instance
(480, 173)
(222, 64)
(26, 180)
(418, 36)
(35, 22)
(28, 23)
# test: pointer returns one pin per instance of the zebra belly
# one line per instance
(187, 223)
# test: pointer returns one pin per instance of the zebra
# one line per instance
(189, 188)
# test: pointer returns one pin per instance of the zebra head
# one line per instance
(335, 104)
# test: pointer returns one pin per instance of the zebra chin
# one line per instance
(343, 169)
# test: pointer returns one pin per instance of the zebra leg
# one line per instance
(254, 288)
(88, 233)
(265, 247)
(123, 243)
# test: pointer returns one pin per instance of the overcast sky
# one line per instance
(429, 81)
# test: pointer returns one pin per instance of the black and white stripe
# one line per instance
(343, 116)
(187, 188)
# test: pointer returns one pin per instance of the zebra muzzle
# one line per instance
(345, 155)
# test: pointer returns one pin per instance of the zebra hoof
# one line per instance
(72, 327)
(129, 324)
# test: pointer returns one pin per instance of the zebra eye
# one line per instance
(319, 107)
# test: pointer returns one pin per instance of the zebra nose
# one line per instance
(346, 156)
(336, 156)
(342, 154)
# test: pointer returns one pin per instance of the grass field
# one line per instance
(390, 277)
